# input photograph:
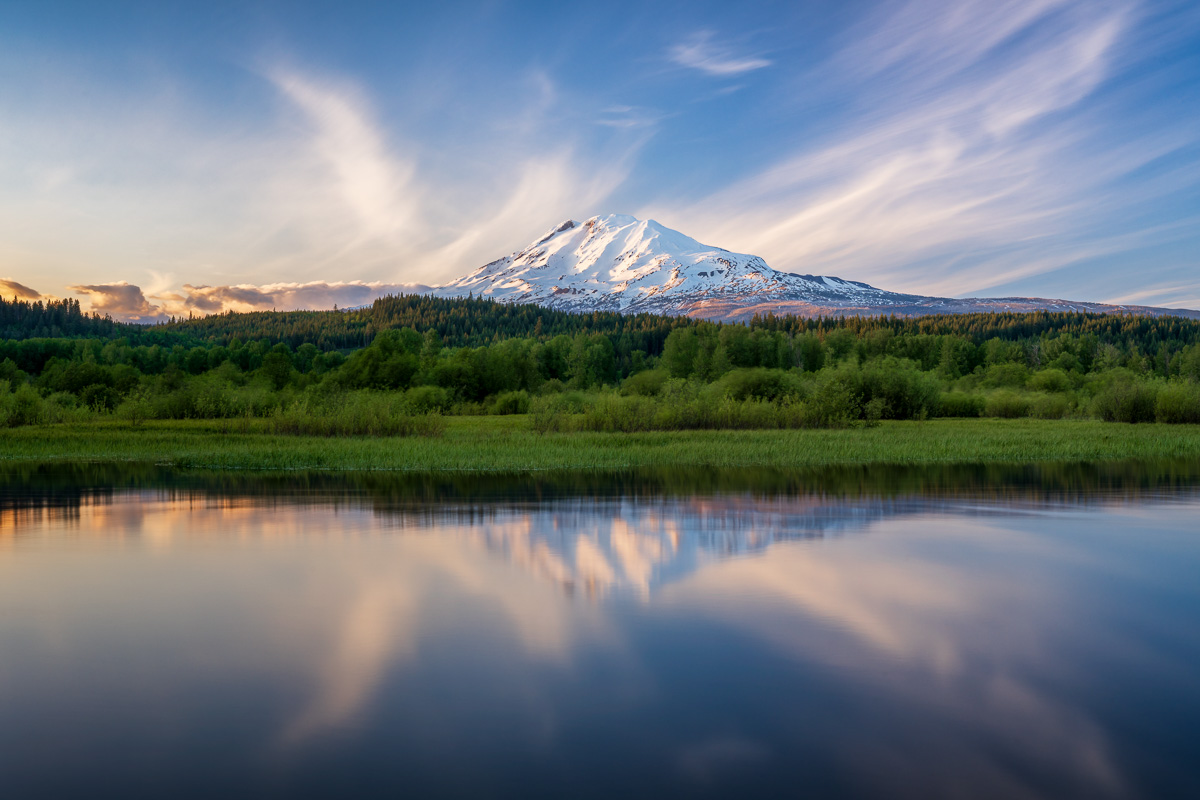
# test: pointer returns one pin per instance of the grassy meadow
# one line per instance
(510, 444)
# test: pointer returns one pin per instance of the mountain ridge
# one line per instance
(620, 263)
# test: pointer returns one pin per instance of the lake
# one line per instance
(948, 632)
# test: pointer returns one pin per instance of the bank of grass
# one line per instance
(507, 444)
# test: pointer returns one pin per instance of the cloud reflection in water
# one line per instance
(889, 631)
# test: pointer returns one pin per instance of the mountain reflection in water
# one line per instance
(593, 534)
(994, 631)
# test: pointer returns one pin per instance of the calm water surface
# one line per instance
(982, 632)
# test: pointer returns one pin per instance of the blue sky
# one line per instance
(160, 158)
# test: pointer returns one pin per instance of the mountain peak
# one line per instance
(616, 262)
(562, 226)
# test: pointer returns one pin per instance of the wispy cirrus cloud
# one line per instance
(972, 157)
(1186, 294)
(370, 178)
(541, 190)
(701, 52)
(629, 117)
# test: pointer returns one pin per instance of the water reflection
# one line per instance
(856, 633)
(593, 535)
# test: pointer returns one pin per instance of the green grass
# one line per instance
(505, 444)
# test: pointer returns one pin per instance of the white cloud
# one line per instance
(701, 53)
(375, 184)
(121, 300)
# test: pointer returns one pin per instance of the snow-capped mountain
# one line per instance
(620, 263)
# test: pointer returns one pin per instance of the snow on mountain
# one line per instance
(620, 263)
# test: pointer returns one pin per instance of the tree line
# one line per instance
(474, 322)
(608, 372)
(459, 322)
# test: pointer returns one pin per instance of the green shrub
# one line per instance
(960, 404)
(212, 400)
(63, 400)
(1188, 362)
(64, 407)
(24, 406)
(361, 413)
(136, 407)
(872, 412)
(1007, 374)
(647, 383)
(546, 415)
(749, 414)
(905, 391)
(1178, 403)
(1126, 400)
(1006, 404)
(832, 404)
(574, 402)
(1066, 362)
(758, 383)
(629, 414)
(99, 397)
(208, 397)
(426, 399)
(509, 403)
(616, 413)
(1049, 406)
(1050, 380)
